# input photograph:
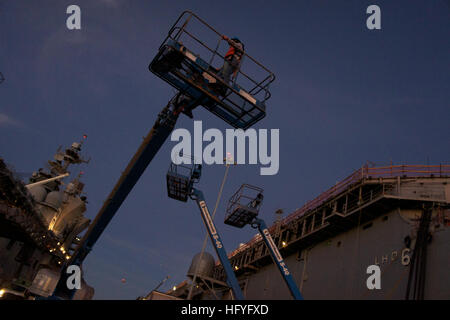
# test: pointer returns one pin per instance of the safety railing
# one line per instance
(365, 172)
(406, 170)
(181, 32)
(372, 172)
(245, 195)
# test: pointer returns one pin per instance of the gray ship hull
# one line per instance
(336, 268)
(394, 219)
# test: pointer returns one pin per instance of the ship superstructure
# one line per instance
(40, 224)
(393, 217)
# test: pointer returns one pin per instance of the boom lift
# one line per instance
(243, 209)
(179, 63)
(180, 186)
(190, 65)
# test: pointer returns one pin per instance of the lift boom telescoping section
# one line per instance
(277, 258)
(152, 143)
(218, 244)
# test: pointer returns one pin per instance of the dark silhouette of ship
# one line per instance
(40, 224)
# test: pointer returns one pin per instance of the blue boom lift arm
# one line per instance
(277, 258)
(180, 186)
(197, 195)
(162, 128)
(190, 75)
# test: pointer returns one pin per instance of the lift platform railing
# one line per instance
(179, 182)
(181, 177)
(244, 205)
(181, 32)
(191, 58)
(243, 209)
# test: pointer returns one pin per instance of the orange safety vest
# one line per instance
(233, 51)
(230, 52)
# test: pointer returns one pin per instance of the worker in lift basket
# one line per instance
(233, 59)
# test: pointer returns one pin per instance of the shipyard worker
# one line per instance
(233, 59)
(257, 201)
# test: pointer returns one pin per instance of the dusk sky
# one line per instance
(343, 95)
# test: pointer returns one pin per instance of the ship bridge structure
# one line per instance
(415, 199)
(39, 225)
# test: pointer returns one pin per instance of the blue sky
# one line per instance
(343, 95)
